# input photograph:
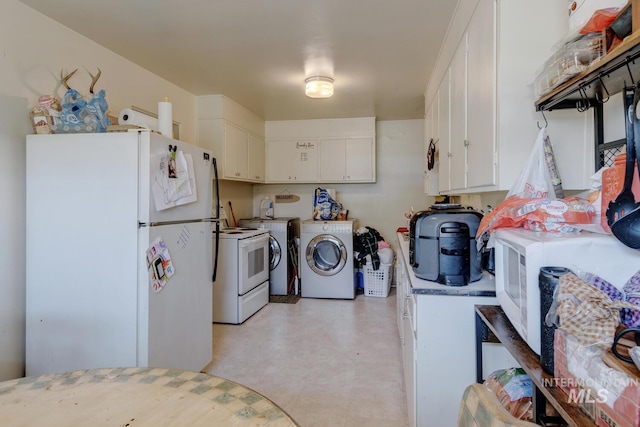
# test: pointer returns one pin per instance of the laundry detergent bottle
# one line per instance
(266, 208)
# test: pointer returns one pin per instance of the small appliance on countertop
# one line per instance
(442, 245)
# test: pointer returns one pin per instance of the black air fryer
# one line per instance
(442, 245)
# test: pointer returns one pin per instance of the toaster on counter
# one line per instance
(442, 245)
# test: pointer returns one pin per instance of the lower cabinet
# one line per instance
(438, 348)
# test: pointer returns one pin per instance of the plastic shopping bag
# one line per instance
(540, 177)
(536, 201)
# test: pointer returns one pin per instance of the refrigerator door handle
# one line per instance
(215, 258)
(161, 223)
(215, 178)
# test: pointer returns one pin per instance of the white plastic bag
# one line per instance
(540, 177)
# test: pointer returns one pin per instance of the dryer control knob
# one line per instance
(325, 227)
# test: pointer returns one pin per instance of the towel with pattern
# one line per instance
(587, 312)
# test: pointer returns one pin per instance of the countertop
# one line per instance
(484, 287)
(135, 397)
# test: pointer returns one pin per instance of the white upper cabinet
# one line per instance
(235, 135)
(458, 141)
(486, 100)
(325, 150)
(256, 159)
(480, 107)
(349, 159)
(236, 152)
(292, 160)
(444, 132)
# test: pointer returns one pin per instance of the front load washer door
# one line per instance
(275, 253)
(326, 255)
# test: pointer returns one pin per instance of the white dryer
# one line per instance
(283, 251)
(326, 265)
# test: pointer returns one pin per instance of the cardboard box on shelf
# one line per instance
(609, 396)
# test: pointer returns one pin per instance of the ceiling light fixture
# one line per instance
(319, 87)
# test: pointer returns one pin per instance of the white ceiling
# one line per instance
(258, 52)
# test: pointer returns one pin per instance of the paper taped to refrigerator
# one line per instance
(192, 183)
(174, 180)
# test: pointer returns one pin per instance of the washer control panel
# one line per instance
(336, 228)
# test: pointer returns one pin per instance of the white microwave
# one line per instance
(519, 255)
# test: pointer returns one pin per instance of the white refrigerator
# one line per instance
(119, 238)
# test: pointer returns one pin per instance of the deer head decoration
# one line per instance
(79, 114)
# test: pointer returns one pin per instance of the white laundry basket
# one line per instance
(377, 283)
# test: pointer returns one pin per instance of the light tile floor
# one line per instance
(326, 362)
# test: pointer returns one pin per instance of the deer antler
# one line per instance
(94, 79)
(64, 79)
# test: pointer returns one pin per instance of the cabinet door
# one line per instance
(211, 136)
(444, 155)
(236, 152)
(400, 290)
(409, 364)
(292, 161)
(458, 173)
(279, 157)
(333, 164)
(360, 159)
(256, 158)
(481, 85)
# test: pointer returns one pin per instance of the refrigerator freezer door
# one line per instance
(152, 149)
(82, 252)
(175, 323)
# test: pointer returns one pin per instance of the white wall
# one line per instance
(13, 125)
(35, 49)
(399, 157)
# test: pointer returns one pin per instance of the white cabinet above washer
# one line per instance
(347, 160)
(325, 150)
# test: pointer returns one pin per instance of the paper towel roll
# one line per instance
(165, 121)
(130, 117)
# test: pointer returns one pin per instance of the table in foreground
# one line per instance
(137, 397)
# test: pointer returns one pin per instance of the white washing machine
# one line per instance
(326, 259)
(283, 251)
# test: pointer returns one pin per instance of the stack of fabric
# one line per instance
(370, 246)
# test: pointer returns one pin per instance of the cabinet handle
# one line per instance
(466, 142)
(448, 154)
(237, 173)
